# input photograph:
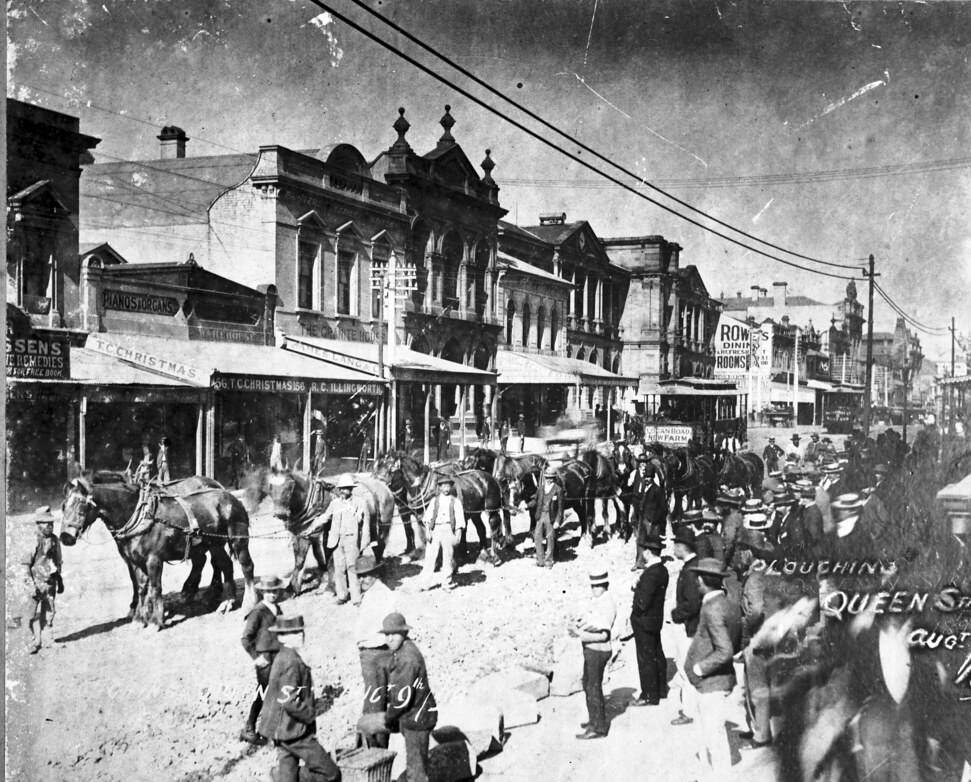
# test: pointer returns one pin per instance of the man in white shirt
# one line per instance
(794, 450)
(349, 535)
(594, 631)
(378, 601)
(444, 521)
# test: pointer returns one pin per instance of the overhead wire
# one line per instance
(533, 134)
(931, 330)
(550, 126)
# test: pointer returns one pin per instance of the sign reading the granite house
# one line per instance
(38, 357)
(139, 302)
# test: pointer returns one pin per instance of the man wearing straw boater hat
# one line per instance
(412, 709)
(646, 620)
(44, 575)
(594, 631)
(261, 645)
(709, 665)
(548, 504)
(372, 644)
(290, 710)
(349, 535)
(444, 521)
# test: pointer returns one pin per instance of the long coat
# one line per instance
(289, 707)
(687, 599)
(718, 637)
(549, 503)
(257, 638)
(647, 609)
(411, 704)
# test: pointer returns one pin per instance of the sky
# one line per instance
(788, 120)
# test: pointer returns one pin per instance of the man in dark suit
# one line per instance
(648, 507)
(261, 645)
(646, 618)
(290, 709)
(548, 504)
(710, 667)
(685, 612)
(411, 705)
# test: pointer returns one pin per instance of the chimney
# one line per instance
(779, 293)
(738, 294)
(755, 289)
(173, 142)
(553, 219)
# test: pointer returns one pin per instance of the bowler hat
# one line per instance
(685, 535)
(756, 521)
(269, 584)
(288, 624)
(709, 566)
(599, 578)
(795, 435)
(643, 458)
(346, 481)
(395, 623)
(366, 564)
(43, 515)
(708, 515)
(654, 542)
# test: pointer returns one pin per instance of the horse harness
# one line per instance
(146, 514)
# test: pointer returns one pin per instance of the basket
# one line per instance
(367, 764)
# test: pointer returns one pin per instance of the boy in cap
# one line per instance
(261, 645)
(444, 521)
(44, 575)
(290, 710)
(594, 630)
(549, 515)
(710, 667)
(372, 644)
(646, 619)
(349, 535)
(412, 709)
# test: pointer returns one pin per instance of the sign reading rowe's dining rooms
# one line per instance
(733, 347)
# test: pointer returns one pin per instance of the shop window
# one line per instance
(510, 318)
(307, 256)
(345, 279)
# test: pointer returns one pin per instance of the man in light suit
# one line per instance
(710, 668)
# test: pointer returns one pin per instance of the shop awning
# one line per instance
(516, 265)
(88, 367)
(819, 385)
(536, 369)
(780, 392)
(405, 364)
(684, 389)
(229, 366)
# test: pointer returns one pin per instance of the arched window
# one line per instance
(476, 279)
(510, 318)
(581, 354)
(540, 325)
(451, 260)
(526, 323)
(593, 357)
(576, 295)
(554, 328)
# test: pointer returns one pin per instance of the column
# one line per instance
(598, 304)
(201, 438)
(393, 418)
(210, 436)
(588, 316)
(490, 311)
(463, 290)
(438, 399)
(577, 296)
(547, 334)
(429, 390)
(305, 456)
(83, 431)
(463, 394)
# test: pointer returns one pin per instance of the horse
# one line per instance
(603, 487)
(479, 492)
(575, 478)
(480, 459)
(299, 499)
(518, 478)
(744, 470)
(177, 528)
(414, 531)
(687, 477)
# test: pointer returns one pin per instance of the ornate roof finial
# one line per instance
(487, 165)
(448, 122)
(401, 126)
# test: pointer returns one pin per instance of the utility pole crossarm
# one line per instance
(869, 274)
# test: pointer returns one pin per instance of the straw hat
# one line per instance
(346, 481)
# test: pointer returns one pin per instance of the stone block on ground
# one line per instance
(470, 719)
(530, 682)
(568, 668)
(453, 761)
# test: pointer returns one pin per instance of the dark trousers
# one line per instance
(594, 665)
(502, 444)
(262, 679)
(374, 670)
(416, 753)
(544, 538)
(318, 766)
(651, 664)
(758, 696)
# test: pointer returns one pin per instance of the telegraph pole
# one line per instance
(869, 274)
(950, 388)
